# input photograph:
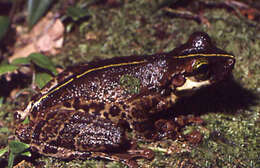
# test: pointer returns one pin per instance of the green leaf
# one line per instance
(3, 151)
(43, 62)
(11, 160)
(76, 13)
(7, 68)
(21, 61)
(1, 101)
(36, 10)
(42, 79)
(27, 153)
(26, 120)
(16, 147)
(4, 24)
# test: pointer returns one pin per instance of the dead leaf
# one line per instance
(45, 37)
(23, 164)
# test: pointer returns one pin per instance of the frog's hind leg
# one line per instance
(107, 140)
(78, 134)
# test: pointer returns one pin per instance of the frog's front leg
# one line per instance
(148, 117)
(144, 112)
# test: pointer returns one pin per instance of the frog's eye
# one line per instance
(201, 69)
(202, 72)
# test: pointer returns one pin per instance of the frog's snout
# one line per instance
(17, 116)
(229, 65)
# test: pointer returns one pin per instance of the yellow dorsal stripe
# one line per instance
(47, 94)
(204, 55)
(84, 73)
(108, 66)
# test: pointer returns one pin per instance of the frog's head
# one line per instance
(199, 63)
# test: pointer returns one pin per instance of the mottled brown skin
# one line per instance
(84, 111)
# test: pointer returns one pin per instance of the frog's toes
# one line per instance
(141, 153)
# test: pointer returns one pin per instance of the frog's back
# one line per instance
(97, 86)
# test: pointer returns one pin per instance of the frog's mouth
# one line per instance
(192, 85)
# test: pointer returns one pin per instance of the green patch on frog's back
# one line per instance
(130, 83)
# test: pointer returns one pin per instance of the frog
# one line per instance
(87, 110)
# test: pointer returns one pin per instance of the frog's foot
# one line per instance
(166, 128)
(126, 158)
(182, 120)
(144, 153)
(129, 156)
(172, 129)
